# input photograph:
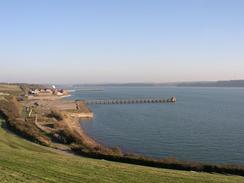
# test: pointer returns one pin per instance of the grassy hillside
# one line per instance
(21, 161)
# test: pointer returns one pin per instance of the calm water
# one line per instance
(206, 124)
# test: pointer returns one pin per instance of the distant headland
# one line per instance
(224, 83)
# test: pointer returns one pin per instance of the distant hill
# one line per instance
(231, 83)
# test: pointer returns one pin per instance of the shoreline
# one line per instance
(74, 124)
(168, 162)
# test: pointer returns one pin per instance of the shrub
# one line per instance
(169, 163)
(56, 115)
(11, 111)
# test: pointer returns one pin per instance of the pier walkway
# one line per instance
(131, 101)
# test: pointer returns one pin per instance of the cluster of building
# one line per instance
(47, 92)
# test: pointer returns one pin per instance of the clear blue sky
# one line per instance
(104, 41)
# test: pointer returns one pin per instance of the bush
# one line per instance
(11, 111)
(169, 163)
(56, 115)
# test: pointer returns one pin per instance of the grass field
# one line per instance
(22, 161)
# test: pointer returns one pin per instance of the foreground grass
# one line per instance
(21, 161)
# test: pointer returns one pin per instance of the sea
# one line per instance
(204, 125)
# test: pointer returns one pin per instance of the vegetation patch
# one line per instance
(169, 163)
(56, 115)
(11, 109)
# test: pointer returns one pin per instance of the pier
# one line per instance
(131, 101)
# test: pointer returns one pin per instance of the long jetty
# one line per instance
(131, 101)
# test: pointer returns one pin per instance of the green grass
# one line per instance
(22, 161)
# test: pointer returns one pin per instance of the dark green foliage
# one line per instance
(169, 163)
(56, 115)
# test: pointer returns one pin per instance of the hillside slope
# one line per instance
(22, 161)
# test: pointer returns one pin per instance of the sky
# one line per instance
(121, 41)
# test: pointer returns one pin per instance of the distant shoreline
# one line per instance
(227, 83)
